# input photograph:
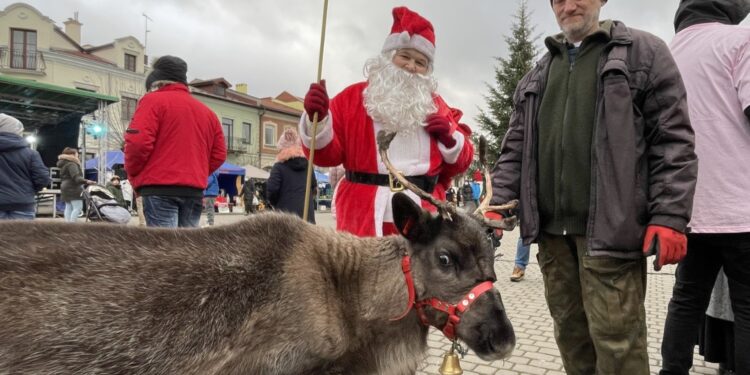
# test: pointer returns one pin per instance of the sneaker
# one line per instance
(517, 274)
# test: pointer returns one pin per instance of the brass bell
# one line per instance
(451, 365)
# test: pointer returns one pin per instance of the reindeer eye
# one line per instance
(445, 260)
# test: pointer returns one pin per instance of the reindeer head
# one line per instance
(449, 258)
(452, 264)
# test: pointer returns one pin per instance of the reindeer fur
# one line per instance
(268, 295)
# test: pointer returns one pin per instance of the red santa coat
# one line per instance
(348, 136)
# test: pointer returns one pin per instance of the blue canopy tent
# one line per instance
(111, 159)
(230, 178)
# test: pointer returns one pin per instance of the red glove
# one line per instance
(439, 127)
(495, 216)
(316, 101)
(669, 245)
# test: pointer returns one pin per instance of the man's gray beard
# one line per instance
(398, 100)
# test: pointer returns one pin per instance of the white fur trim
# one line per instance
(409, 153)
(450, 155)
(404, 40)
(325, 131)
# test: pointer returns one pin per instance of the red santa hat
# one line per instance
(410, 30)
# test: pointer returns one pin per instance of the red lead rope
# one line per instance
(449, 330)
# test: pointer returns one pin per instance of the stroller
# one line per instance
(101, 205)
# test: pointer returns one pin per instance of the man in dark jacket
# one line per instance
(600, 152)
(713, 54)
(248, 195)
(171, 146)
(22, 172)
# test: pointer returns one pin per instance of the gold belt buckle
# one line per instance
(395, 184)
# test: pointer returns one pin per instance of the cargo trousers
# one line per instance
(597, 306)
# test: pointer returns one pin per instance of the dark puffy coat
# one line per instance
(71, 176)
(285, 188)
(22, 174)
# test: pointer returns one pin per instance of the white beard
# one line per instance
(398, 100)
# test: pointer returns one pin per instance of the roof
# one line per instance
(38, 104)
(84, 55)
(288, 97)
(272, 105)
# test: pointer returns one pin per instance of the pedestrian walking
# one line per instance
(22, 172)
(249, 199)
(523, 252)
(209, 197)
(71, 183)
(606, 104)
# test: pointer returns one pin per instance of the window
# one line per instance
(220, 90)
(23, 49)
(130, 62)
(127, 106)
(269, 135)
(246, 133)
(227, 124)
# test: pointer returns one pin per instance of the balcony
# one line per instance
(236, 144)
(22, 62)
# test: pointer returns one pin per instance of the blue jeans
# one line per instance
(172, 212)
(17, 215)
(522, 254)
(72, 210)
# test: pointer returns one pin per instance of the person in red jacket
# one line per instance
(430, 147)
(171, 146)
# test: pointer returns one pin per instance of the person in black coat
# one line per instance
(22, 172)
(285, 188)
(249, 200)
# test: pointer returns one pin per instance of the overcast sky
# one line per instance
(272, 45)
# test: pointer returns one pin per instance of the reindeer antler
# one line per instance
(484, 206)
(384, 141)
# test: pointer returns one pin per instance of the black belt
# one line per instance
(426, 183)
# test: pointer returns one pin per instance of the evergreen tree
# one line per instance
(522, 53)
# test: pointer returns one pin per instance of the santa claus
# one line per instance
(430, 147)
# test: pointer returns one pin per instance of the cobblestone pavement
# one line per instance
(536, 351)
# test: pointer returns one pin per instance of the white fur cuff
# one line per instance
(450, 155)
(325, 131)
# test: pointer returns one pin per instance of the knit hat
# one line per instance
(289, 146)
(410, 30)
(167, 68)
(9, 124)
(288, 139)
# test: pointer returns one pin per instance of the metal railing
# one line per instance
(15, 59)
(237, 144)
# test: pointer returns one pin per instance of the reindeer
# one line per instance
(268, 295)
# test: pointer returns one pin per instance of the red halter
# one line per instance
(449, 330)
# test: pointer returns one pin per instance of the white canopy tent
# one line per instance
(255, 172)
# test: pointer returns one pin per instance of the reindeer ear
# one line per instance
(412, 222)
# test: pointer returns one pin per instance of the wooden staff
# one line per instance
(308, 186)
